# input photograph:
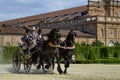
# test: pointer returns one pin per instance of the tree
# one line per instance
(84, 44)
(97, 43)
(117, 44)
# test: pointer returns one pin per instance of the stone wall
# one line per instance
(10, 40)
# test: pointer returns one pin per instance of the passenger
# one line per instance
(33, 33)
(40, 38)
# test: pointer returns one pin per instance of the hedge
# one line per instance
(84, 54)
(94, 54)
(7, 53)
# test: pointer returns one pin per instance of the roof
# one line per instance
(10, 26)
(47, 15)
(79, 34)
(12, 30)
(17, 30)
(65, 33)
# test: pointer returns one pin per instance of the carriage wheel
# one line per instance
(16, 60)
(27, 64)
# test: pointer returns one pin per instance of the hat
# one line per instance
(39, 30)
(26, 31)
(33, 28)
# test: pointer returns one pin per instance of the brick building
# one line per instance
(100, 20)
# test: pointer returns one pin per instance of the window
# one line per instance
(111, 33)
(116, 2)
(107, 8)
(18, 44)
(102, 32)
(88, 19)
(111, 43)
(79, 14)
(69, 16)
(93, 18)
(93, 2)
(18, 24)
(59, 17)
(84, 13)
(50, 19)
(7, 43)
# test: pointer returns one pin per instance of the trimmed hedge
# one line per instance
(7, 53)
(93, 54)
(84, 54)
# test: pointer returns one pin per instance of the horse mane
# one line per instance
(50, 36)
(69, 39)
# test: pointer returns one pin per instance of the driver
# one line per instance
(26, 38)
(40, 38)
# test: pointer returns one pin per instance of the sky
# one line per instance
(12, 9)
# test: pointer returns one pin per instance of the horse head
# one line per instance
(70, 39)
(54, 36)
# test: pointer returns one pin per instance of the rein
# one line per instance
(67, 47)
(53, 45)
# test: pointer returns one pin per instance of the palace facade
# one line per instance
(99, 20)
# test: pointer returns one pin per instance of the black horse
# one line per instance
(66, 50)
(50, 50)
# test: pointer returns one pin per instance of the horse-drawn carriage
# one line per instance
(44, 57)
(19, 58)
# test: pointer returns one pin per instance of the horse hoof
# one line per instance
(60, 71)
(44, 71)
(65, 72)
(38, 67)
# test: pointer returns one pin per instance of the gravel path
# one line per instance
(75, 72)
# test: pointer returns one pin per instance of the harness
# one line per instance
(53, 45)
(67, 47)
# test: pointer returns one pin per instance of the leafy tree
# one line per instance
(117, 44)
(97, 43)
(84, 44)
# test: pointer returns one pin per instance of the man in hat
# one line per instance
(26, 38)
(33, 35)
(40, 38)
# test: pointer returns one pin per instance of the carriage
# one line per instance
(19, 58)
(50, 51)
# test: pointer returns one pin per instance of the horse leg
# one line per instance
(67, 63)
(59, 67)
(53, 64)
(40, 63)
(43, 68)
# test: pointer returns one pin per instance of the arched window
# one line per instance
(79, 14)
(7, 43)
(111, 43)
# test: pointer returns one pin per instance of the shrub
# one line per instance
(8, 52)
(97, 43)
(115, 55)
(104, 52)
(91, 54)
